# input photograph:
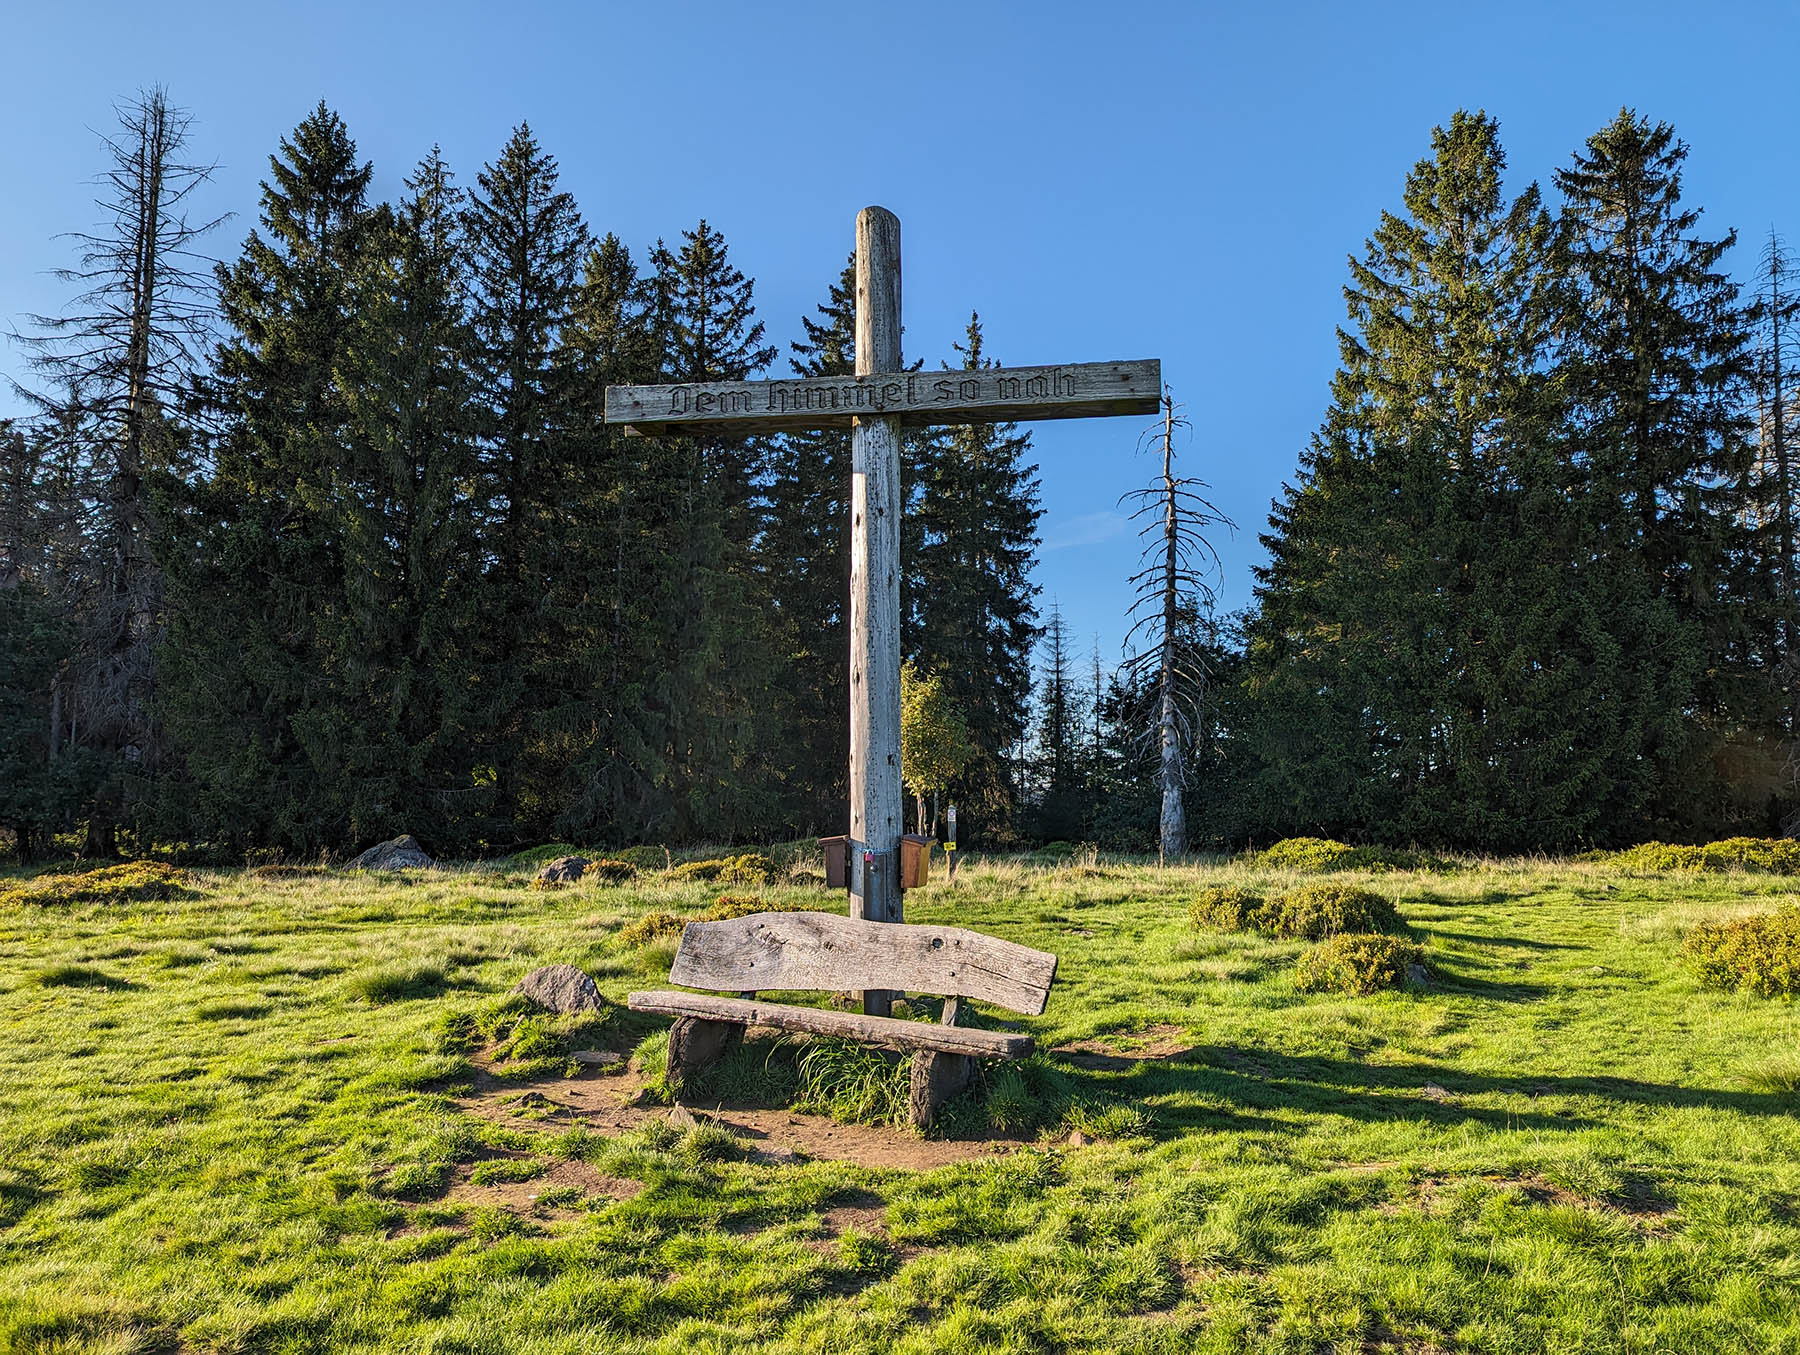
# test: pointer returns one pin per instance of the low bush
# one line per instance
(644, 858)
(1225, 908)
(1314, 912)
(609, 870)
(650, 927)
(1308, 854)
(1757, 954)
(746, 868)
(1356, 962)
(1775, 856)
(129, 882)
(735, 905)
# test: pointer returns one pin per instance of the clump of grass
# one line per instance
(130, 882)
(490, 1223)
(746, 868)
(1780, 1076)
(708, 1142)
(1106, 1119)
(399, 982)
(609, 870)
(1757, 954)
(75, 976)
(507, 1169)
(865, 1254)
(1010, 1104)
(854, 1083)
(1355, 962)
(1316, 911)
(1225, 908)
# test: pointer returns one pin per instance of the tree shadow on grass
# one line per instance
(1512, 942)
(1261, 1079)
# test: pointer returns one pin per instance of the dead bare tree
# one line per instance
(121, 362)
(1179, 570)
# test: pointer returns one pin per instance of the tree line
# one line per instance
(361, 556)
(1533, 586)
(331, 541)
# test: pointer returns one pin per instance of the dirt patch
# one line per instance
(1124, 1049)
(611, 1101)
(1644, 1206)
(523, 1197)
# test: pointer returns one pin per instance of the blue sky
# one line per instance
(1180, 181)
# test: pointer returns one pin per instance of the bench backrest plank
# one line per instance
(767, 952)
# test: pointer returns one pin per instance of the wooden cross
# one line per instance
(875, 404)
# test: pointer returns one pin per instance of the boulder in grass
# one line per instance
(560, 988)
(400, 853)
(562, 871)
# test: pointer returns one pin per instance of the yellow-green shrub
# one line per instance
(644, 858)
(1309, 853)
(735, 905)
(1356, 962)
(1777, 856)
(746, 868)
(1758, 954)
(651, 927)
(1225, 908)
(1313, 912)
(609, 871)
(129, 882)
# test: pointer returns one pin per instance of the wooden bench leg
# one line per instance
(935, 1079)
(696, 1044)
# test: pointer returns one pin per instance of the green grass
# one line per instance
(230, 1124)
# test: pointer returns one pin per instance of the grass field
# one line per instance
(234, 1121)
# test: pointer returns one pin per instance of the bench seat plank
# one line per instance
(825, 952)
(886, 1031)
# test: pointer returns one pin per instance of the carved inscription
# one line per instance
(996, 394)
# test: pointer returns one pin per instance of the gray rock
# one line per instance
(560, 988)
(597, 1058)
(1432, 1092)
(564, 870)
(400, 853)
(1418, 978)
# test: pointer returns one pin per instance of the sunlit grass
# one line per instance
(230, 1124)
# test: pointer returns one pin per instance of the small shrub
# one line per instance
(746, 868)
(644, 858)
(1758, 954)
(1775, 856)
(1225, 908)
(609, 871)
(1314, 912)
(1356, 962)
(650, 927)
(129, 882)
(734, 905)
(1308, 854)
(533, 858)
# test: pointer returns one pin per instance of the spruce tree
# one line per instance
(527, 245)
(807, 548)
(1657, 373)
(719, 678)
(256, 693)
(1426, 637)
(977, 509)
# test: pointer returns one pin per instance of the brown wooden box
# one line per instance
(837, 851)
(915, 860)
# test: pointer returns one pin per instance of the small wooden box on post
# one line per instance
(875, 405)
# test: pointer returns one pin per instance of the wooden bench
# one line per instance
(826, 952)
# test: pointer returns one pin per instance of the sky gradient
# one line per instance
(1180, 181)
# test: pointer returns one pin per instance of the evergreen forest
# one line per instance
(326, 540)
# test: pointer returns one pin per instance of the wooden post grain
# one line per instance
(875, 793)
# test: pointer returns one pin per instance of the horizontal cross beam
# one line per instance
(986, 395)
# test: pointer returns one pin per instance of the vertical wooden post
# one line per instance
(875, 795)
